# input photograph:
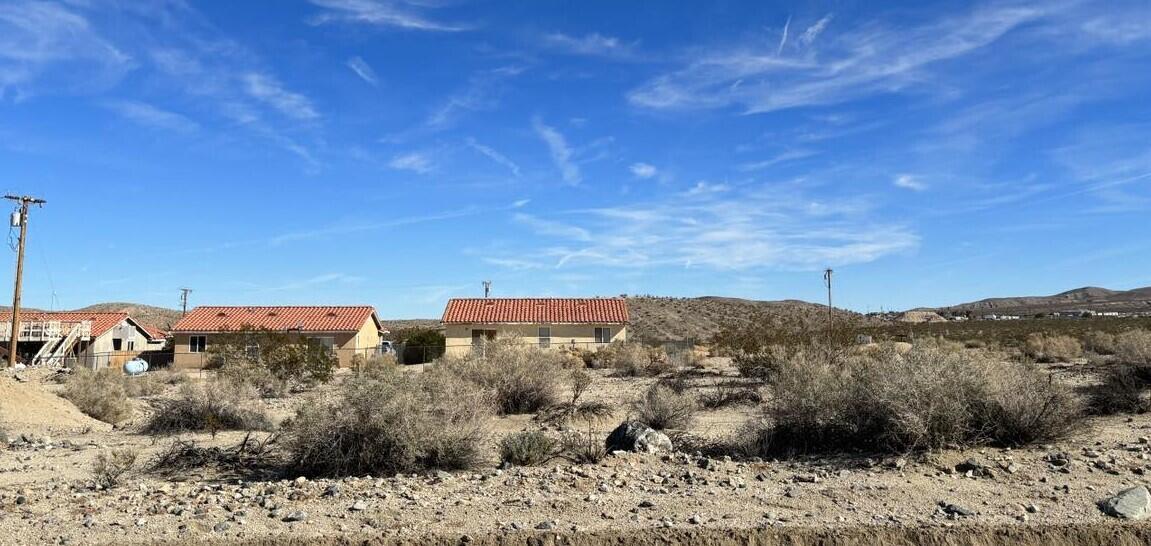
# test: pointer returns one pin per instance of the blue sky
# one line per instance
(397, 153)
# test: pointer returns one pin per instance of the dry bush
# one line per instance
(662, 408)
(522, 378)
(687, 358)
(250, 459)
(633, 359)
(764, 363)
(1099, 342)
(212, 406)
(396, 423)
(891, 402)
(152, 383)
(1123, 389)
(975, 344)
(527, 448)
(251, 376)
(725, 394)
(938, 343)
(109, 468)
(1052, 348)
(1134, 347)
(100, 394)
(374, 366)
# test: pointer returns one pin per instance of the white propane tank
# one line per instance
(15, 222)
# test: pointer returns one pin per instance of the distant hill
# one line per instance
(1088, 298)
(656, 318)
(152, 316)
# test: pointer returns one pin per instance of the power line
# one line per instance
(19, 219)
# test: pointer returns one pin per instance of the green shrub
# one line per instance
(420, 345)
(271, 361)
(527, 448)
(101, 394)
(395, 423)
(662, 408)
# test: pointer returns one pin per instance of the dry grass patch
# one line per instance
(1052, 348)
(101, 394)
(661, 408)
(213, 406)
(1134, 347)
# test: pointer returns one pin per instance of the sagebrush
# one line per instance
(213, 406)
(520, 377)
(662, 408)
(528, 448)
(110, 467)
(394, 423)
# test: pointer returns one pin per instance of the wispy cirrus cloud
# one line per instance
(869, 59)
(150, 116)
(492, 154)
(593, 44)
(381, 13)
(362, 69)
(783, 157)
(643, 170)
(768, 228)
(909, 182)
(481, 92)
(561, 153)
(267, 89)
(42, 38)
(416, 162)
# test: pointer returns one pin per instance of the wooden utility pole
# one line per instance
(21, 221)
(184, 300)
(827, 280)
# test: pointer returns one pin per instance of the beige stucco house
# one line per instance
(545, 322)
(348, 330)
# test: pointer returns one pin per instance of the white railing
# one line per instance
(47, 330)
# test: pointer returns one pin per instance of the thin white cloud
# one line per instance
(761, 228)
(783, 37)
(789, 155)
(266, 89)
(704, 188)
(643, 170)
(594, 44)
(521, 203)
(413, 161)
(363, 70)
(561, 153)
(866, 60)
(481, 93)
(151, 116)
(492, 154)
(41, 37)
(808, 37)
(380, 13)
(909, 182)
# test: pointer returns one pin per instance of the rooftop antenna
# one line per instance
(487, 289)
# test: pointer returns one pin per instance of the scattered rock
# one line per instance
(359, 506)
(1133, 503)
(298, 515)
(221, 527)
(638, 437)
(955, 510)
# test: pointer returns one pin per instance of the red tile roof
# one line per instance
(304, 318)
(154, 332)
(535, 310)
(101, 322)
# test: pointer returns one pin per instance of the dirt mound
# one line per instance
(29, 406)
(920, 317)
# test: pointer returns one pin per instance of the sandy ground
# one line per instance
(47, 497)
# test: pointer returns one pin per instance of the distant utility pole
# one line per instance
(487, 288)
(827, 280)
(19, 219)
(184, 300)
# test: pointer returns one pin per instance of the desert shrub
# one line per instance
(938, 343)
(101, 394)
(522, 378)
(725, 394)
(762, 364)
(395, 423)
(527, 448)
(109, 468)
(583, 447)
(689, 358)
(975, 344)
(212, 406)
(662, 408)
(1134, 347)
(419, 345)
(375, 365)
(678, 383)
(1052, 348)
(1123, 389)
(924, 399)
(1100, 342)
(273, 362)
(631, 359)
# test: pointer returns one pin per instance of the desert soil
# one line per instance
(47, 495)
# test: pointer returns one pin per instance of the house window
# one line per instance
(117, 344)
(545, 334)
(603, 335)
(327, 342)
(480, 336)
(196, 344)
(131, 345)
